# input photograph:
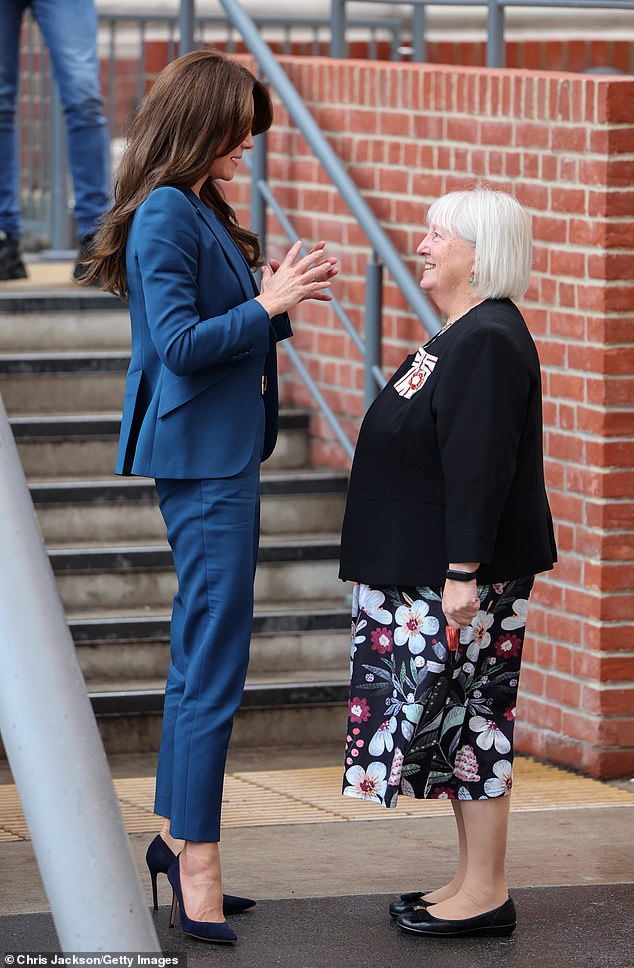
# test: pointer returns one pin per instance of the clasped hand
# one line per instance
(291, 281)
(460, 603)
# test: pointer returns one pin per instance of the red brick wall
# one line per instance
(564, 145)
(545, 53)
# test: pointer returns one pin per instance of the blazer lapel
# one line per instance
(232, 253)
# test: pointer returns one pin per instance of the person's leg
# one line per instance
(454, 885)
(165, 767)
(211, 535)
(69, 28)
(11, 266)
(484, 885)
(489, 655)
(174, 689)
(212, 527)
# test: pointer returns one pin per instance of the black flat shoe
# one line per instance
(500, 921)
(408, 903)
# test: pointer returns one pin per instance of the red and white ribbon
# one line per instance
(419, 371)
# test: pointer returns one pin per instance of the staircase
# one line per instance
(63, 358)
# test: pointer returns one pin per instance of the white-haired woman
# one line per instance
(446, 525)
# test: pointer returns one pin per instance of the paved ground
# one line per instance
(324, 887)
(566, 927)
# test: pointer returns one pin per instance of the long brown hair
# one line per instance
(200, 107)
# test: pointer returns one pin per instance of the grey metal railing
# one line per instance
(185, 30)
(383, 250)
(494, 24)
(44, 183)
(44, 180)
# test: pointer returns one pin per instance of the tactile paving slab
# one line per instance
(279, 797)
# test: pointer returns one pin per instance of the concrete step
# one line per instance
(275, 711)
(63, 359)
(51, 322)
(126, 509)
(286, 640)
(63, 383)
(69, 447)
(302, 568)
(146, 696)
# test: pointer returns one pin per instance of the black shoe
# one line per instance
(11, 265)
(85, 245)
(408, 903)
(500, 921)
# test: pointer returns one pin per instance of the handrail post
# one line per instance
(418, 34)
(186, 21)
(373, 314)
(338, 46)
(53, 745)
(495, 34)
(259, 174)
(60, 216)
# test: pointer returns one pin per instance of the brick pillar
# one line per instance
(578, 682)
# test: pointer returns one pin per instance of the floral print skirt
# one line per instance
(430, 718)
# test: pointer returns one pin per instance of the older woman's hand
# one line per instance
(460, 602)
(294, 279)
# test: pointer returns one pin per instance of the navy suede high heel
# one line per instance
(217, 931)
(159, 858)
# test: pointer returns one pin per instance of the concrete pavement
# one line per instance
(324, 887)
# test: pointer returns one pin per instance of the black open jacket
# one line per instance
(455, 473)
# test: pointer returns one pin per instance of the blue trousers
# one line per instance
(213, 530)
(69, 28)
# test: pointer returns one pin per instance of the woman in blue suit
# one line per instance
(200, 414)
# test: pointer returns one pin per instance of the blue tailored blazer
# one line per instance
(203, 349)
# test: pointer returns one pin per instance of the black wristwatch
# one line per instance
(460, 575)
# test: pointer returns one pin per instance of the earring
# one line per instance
(472, 280)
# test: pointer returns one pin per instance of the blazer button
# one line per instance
(263, 384)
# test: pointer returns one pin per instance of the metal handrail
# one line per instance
(311, 131)
(495, 20)
(191, 25)
(383, 251)
(370, 351)
(267, 193)
(374, 375)
(53, 744)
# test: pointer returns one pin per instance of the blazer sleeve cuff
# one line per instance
(281, 326)
(469, 546)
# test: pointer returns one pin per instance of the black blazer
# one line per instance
(454, 470)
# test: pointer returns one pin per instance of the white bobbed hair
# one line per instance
(499, 228)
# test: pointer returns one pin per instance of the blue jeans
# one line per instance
(69, 28)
